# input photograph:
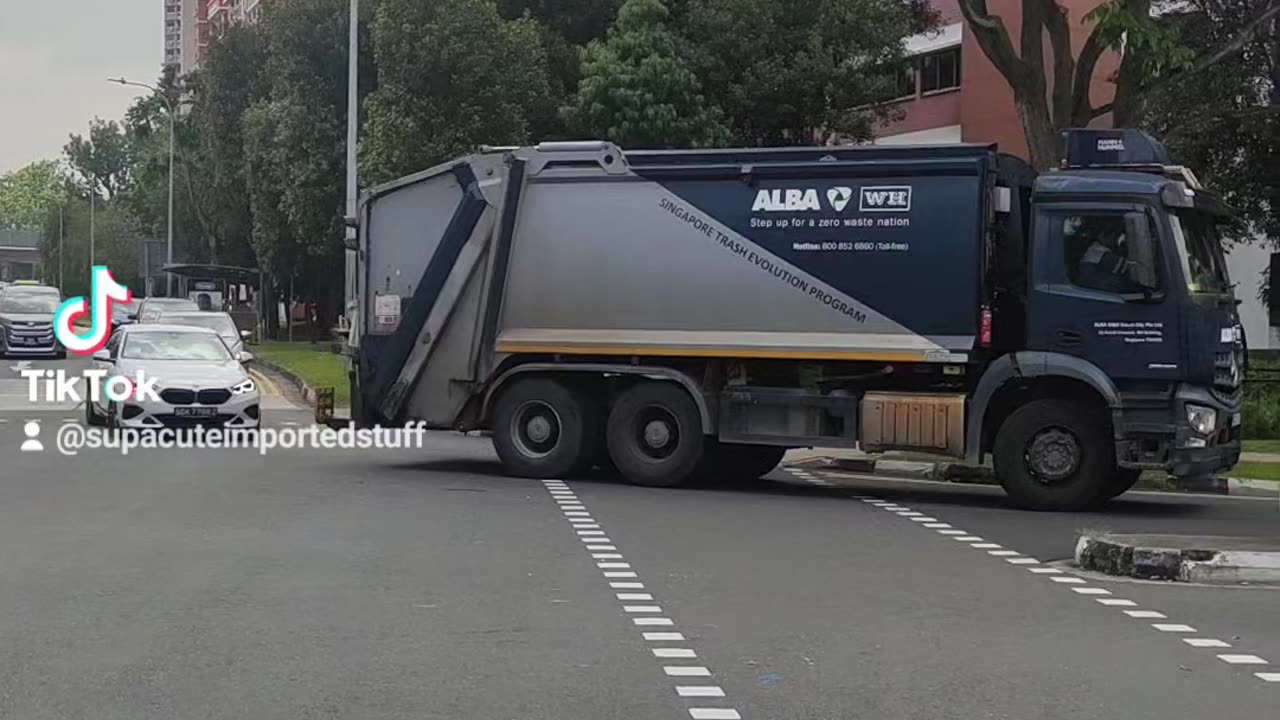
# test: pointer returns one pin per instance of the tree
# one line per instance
(28, 194)
(452, 75)
(795, 72)
(638, 91)
(1048, 99)
(115, 244)
(102, 161)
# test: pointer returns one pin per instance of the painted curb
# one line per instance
(294, 379)
(1129, 558)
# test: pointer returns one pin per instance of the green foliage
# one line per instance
(799, 71)
(638, 91)
(101, 161)
(115, 243)
(452, 75)
(27, 195)
(1159, 50)
(1262, 404)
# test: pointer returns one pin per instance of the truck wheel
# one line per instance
(92, 418)
(1122, 481)
(655, 435)
(1054, 455)
(538, 429)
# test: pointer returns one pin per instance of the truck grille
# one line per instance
(1228, 375)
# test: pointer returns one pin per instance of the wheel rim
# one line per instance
(1053, 455)
(657, 432)
(535, 428)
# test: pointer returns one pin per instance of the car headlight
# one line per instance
(245, 387)
(1203, 420)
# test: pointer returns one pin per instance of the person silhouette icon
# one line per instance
(32, 443)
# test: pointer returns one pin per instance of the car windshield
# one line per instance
(32, 304)
(221, 324)
(175, 345)
(1200, 247)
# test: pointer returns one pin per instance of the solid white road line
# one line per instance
(673, 653)
(1206, 642)
(686, 671)
(1242, 659)
(714, 714)
(699, 691)
(662, 636)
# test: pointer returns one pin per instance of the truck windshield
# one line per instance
(1200, 247)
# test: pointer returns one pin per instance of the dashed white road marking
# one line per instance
(1242, 659)
(699, 691)
(611, 564)
(1077, 585)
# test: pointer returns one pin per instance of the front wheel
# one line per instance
(539, 429)
(739, 462)
(1123, 481)
(1055, 454)
(654, 435)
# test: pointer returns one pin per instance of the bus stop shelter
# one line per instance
(225, 288)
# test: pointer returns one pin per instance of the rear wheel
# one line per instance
(1054, 454)
(725, 461)
(539, 430)
(654, 435)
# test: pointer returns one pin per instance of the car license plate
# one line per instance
(195, 412)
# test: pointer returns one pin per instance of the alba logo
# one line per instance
(788, 200)
(896, 198)
(839, 197)
(104, 291)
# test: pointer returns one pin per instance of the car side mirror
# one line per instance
(1142, 255)
(131, 317)
(244, 357)
(103, 355)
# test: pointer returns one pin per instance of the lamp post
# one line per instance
(172, 119)
(353, 128)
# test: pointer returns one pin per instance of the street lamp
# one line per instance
(172, 118)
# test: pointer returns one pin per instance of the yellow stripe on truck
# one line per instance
(747, 353)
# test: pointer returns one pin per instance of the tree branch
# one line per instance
(993, 38)
(1064, 63)
(1082, 110)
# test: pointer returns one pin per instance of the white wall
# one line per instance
(1246, 264)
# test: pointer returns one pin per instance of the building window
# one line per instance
(940, 70)
(900, 82)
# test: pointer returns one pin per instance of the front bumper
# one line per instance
(1159, 437)
(19, 346)
(240, 412)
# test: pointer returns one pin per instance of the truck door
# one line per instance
(1099, 286)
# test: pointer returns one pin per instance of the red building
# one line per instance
(952, 92)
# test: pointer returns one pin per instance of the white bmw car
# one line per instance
(198, 381)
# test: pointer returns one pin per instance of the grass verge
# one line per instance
(1262, 446)
(314, 362)
(1256, 471)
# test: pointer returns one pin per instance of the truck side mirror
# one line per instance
(1142, 251)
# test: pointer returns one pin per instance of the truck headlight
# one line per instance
(245, 387)
(1203, 420)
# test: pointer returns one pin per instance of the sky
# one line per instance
(55, 56)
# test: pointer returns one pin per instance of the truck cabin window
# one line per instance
(1103, 255)
(1200, 249)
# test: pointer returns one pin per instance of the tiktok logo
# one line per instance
(104, 291)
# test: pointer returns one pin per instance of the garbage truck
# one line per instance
(674, 314)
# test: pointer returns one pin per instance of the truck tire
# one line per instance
(1054, 454)
(725, 461)
(654, 435)
(539, 429)
(91, 417)
(1122, 481)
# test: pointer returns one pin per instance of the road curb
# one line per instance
(982, 475)
(294, 379)
(1210, 560)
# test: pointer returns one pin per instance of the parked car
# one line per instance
(198, 381)
(26, 324)
(219, 322)
(150, 308)
(125, 313)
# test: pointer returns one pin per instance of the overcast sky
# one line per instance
(55, 56)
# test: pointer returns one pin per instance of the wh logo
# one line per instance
(895, 198)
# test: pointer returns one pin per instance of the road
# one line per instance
(424, 584)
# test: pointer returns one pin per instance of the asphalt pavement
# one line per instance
(421, 583)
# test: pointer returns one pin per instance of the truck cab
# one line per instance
(1127, 290)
